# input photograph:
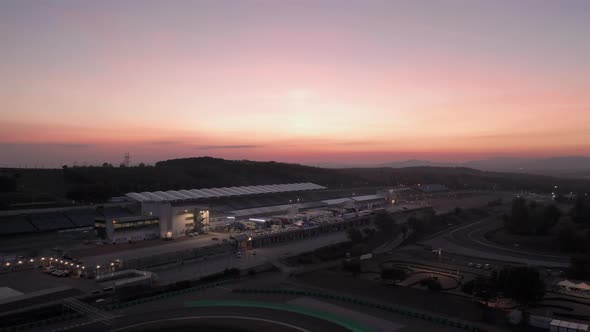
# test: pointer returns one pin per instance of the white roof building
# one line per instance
(193, 194)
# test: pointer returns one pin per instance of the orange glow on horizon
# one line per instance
(300, 83)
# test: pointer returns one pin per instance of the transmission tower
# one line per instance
(127, 159)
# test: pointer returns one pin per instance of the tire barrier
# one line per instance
(394, 308)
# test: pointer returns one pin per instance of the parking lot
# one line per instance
(35, 280)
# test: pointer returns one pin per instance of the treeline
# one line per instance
(572, 233)
(95, 184)
(522, 284)
(459, 178)
(98, 183)
(216, 172)
(430, 223)
(531, 218)
(8, 184)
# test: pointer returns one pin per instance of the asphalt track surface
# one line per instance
(469, 240)
(219, 318)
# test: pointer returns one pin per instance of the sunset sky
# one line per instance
(300, 81)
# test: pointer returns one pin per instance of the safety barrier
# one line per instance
(395, 308)
(71, 316)
(40, 323)
(166, 295)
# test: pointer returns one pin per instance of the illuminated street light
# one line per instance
(98, 266)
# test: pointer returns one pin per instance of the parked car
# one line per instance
(60, 273)
(49, 269)
(478, 266)
(470, 264)
(487, 266)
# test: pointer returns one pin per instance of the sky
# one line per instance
(298, 81)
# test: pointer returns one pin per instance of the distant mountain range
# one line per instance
(562, 166)
(573, 166)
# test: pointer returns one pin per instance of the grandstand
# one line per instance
(50, 221)
(116, 212)
(15, 225)
(222, 202)
(81, 217)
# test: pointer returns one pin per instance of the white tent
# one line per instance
(572, 285)
(566, 284)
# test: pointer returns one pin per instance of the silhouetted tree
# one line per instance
(531, 218)
(7, 184)
(579, 267)
(566, 238)
(518, 221)
(386, 223)
(523, 284)
(354, 235)
(581, 211)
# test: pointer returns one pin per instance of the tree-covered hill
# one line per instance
(95, 184)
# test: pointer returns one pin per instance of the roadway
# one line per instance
(469, 240)
(248, 259)
(111, 252)
(190, 311)
(218, 318)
